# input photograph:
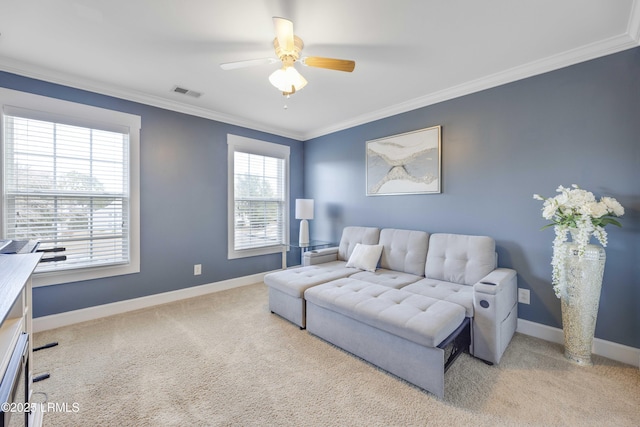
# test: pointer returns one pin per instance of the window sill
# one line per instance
(233, 254)
(81, 274)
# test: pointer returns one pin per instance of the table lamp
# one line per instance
(304, 211)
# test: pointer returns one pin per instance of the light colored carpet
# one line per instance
(224, 359)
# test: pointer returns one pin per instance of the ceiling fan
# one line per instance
(288, 47)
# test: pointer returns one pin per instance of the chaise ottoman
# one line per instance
(286, 287)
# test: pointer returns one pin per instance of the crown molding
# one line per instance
(38, 73)
(555, 62)
(633, 29)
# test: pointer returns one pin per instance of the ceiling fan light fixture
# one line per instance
(288, 47)
(286, 78)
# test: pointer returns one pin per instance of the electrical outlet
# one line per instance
(197, 269)
(523, 296)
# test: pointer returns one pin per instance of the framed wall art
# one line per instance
(407, 163)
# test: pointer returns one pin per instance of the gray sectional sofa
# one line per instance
(405, 300)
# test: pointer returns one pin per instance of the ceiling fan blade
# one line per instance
(247, 63)
(330, 63)
(284, 33)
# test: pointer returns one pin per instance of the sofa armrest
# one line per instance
(496, 281)
(320, 256)
(495, 303)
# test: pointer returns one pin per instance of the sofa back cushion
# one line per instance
(352, 235)
(404, 250)
(459, 258)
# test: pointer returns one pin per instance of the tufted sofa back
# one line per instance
(404, 250)
(353, 235)
(459, 258)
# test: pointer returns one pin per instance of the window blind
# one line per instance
(259, 201)
(67, 186)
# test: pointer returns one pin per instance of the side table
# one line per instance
(313, 244)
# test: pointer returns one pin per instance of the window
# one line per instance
(70, 180)
(258, 197)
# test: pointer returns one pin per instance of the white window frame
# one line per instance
(87, 116)
(263, 148)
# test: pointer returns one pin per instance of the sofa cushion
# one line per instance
(296, 280)
(404, 250)
(417, 318)
(365, 257)
(352, 235)
(390, 278)
(459, 258)
(446, 291)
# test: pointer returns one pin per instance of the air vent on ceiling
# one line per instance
(188, 92)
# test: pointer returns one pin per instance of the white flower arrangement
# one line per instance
(577, 211)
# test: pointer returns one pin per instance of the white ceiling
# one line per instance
(408, 53)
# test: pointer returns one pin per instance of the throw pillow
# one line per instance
(365, 257)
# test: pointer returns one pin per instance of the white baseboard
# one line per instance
(611, 350)
(53, 321)
(608, 349)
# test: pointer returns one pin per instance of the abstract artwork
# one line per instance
(408, 163)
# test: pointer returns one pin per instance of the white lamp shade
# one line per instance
(285, 78)
(304, 208)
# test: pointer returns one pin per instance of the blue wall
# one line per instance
(183, 204)
(580, 124)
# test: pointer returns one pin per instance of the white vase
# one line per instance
(582, 281)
